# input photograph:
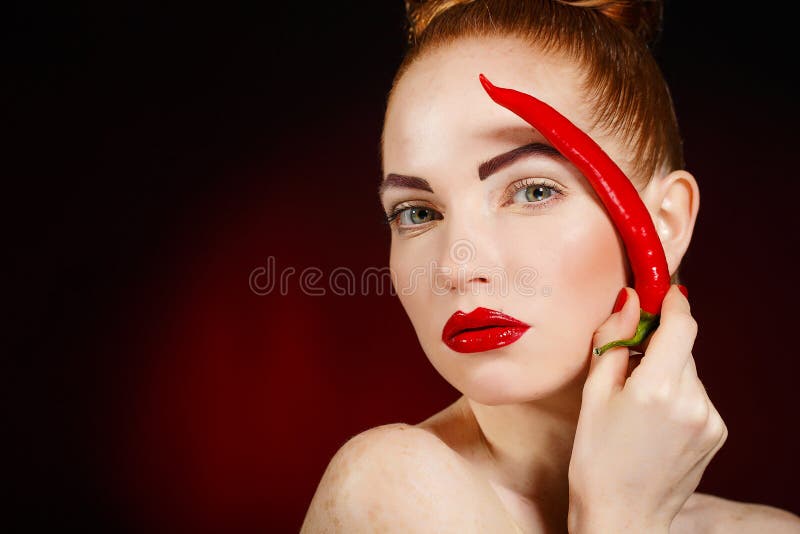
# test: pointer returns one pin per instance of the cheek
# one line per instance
(577, 248)
(410, 268)
(590, 251)
(410, 279)
(580, 263)
(588, 272)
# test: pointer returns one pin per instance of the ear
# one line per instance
(673, 202)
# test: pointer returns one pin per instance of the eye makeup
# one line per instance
(556, 193)
(405, 214)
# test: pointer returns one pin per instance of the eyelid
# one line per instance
(405, 204)
(508, 196)
(512, 188)
(393, 217)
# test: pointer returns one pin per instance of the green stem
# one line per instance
(647, 323)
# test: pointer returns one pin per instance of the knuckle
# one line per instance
(724, 433)
(720, 430)
(599, 333)
(690, 324)
(652, 395)
(694, 417)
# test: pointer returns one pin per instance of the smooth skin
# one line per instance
(544, 438)
(644, 438)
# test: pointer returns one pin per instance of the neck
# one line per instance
(527, 446)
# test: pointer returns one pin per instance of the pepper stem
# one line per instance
(648, 322)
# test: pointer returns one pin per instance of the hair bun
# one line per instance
(642, 17)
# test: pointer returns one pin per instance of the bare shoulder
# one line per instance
(400, 478)
(712, 514)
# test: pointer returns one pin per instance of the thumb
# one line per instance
(608, 372)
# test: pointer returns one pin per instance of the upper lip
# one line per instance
(478, 318)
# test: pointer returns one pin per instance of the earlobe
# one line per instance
(674, 202)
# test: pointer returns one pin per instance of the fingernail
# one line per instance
(684, 290)
(621, 298)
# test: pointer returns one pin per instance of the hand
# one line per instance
(644, 437)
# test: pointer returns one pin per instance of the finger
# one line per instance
(718, 433)
(690, 372)
(607, 372)
(692, 397)
(671, 344)
(713, 433)
(633, 362)
(712, 429)
(646, 343)
(689, 376)
(692, 385)
(718, 428)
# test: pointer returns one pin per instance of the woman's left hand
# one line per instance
(642, 441)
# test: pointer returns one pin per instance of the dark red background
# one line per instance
(157, 155)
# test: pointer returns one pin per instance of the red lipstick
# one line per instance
(480, 330)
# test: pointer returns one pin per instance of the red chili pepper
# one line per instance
(622, 201)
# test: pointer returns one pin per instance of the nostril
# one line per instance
(479, 279)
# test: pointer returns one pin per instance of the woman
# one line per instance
(545, 437)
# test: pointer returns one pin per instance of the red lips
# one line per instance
(480, 330)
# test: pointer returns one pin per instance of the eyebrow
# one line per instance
(485, 169)
(408, 182)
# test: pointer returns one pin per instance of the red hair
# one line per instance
(609, 39)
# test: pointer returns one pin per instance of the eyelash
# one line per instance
(534, 182)
(400, 208)
(511, 192)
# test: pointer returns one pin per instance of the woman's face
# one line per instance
(526, 236)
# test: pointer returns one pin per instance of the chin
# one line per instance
(498, 397)
(493, 382)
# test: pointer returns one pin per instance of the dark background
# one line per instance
(156, 155)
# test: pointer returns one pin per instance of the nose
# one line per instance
(466, 264)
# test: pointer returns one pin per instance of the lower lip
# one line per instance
(485, 338)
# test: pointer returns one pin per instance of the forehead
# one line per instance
(439, 107)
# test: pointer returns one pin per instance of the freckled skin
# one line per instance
(440, 125)
(438, 475)
(396, 479)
